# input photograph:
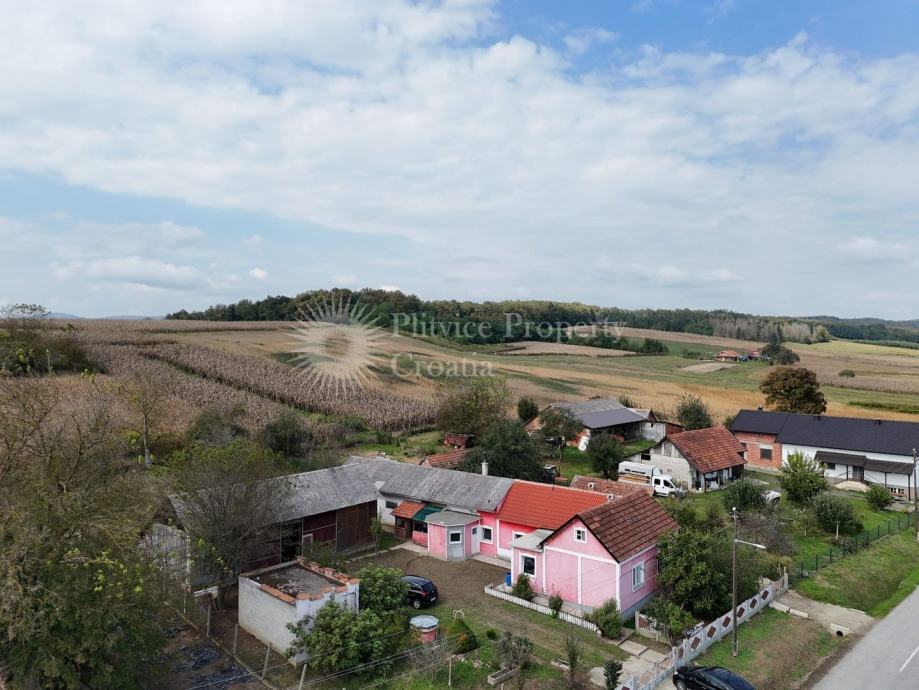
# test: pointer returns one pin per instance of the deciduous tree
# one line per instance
(801, 477)
(693, 413)
(605, 454)
(471, 404)
(509, 451)
(558, 426)
(793, 389)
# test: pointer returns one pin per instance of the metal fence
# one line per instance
(805, 567)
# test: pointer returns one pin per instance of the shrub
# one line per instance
(612, 669)
(382, 589)
(801, 477)
(878, 497)
(555, 603)
(287, 434)
(831, 511)
(743, 494)
(491, 633)
(693, 413)
(527, 409)
(522, 588)
(847, 373)
(607, 618)
(462, 639)
(673, 619)
(682, 511)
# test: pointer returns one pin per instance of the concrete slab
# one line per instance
(631, 666)
(652, 656)
(633, 647)
(491, 560)
(827, 615)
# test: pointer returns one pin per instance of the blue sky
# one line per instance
(653, 153)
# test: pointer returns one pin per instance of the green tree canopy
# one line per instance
(558, 426)
(509, 451)
(79, 605)
(382, 589)
(605, 454)
(471, 404)
(801, 477)
(793, 389)
(693, 412)
(527, 409)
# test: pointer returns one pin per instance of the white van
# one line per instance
(643, 473)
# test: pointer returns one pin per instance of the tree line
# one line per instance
(430, 317)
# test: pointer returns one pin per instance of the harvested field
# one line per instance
(707, 367)
(540, 348)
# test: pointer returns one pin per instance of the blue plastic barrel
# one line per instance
(507, 579)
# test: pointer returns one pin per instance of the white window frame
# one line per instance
(580, 535)
(640, 568)
(523, 568)
(391, 505)
(488, 539)
(450, 536)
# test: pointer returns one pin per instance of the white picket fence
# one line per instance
(492, 591)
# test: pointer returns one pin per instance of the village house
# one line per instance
(607, 551)
(727, 356)
(608, 416)
(449, 460)
(703, 459)
(529, 507)
(411, 497)
(869, 451)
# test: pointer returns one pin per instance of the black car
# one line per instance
(708, 678)
(421, 591)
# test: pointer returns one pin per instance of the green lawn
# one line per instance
(873, 580)
(776, 650)
(578, 462)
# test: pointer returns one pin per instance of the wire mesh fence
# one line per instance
(848, 544)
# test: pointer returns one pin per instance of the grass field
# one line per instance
(776, 650)
(873, 580)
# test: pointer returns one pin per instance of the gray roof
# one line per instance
(842, 433)
(312, 493)
(601, 413)
(532, 540)
(593, 405)
(435, 485)
(450, 518)
(870, 464)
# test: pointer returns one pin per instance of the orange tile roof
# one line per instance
(608, 486)
(407, 509)
(629, 525)
(545, 506)
(448, 461)
(709, 450)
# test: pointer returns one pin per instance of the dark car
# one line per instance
(421, 591)
(708, 678)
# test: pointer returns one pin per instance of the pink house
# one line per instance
(608, 551)
(528, 507)
(453, 535)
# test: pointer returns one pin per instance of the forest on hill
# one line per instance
(449, 318)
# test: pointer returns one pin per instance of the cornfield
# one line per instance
(281, 383)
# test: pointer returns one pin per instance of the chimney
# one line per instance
(484, 468)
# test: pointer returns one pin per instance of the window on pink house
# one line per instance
(580, 535)
(528, 565)
(638, 576)
(486, 534)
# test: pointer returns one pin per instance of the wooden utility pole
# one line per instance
(734, 583)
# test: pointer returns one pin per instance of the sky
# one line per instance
(753, 156)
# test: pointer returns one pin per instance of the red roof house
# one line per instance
(703, 458)
(450, 460)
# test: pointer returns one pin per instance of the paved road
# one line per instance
(887, 657)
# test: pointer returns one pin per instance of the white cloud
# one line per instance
(258, 274)
(131, 270)
(413, 119)
(253, 240)
(343, 280)
(874, 249)
(582, 40)
(675, 276)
